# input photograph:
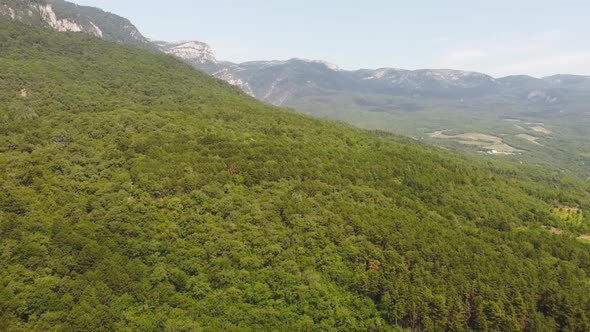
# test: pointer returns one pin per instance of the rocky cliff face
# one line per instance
(194, 52)
(65, 16)
(201, 55)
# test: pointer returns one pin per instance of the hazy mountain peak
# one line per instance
(325, 63)
(194, 52)
(568, 80)
(453, 74)
(272, 63)
(379, 73)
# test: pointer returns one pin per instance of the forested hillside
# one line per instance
(517, 118)
(139, 194)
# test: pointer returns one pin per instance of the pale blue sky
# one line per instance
(500, 37)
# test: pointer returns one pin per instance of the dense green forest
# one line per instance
(139, 194)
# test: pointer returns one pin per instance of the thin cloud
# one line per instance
(573, 62)
(495, 49)
(534, 56)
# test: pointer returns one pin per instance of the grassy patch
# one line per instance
(571, 215)
(529, 138)
(484, 141)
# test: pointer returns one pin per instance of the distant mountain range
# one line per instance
(418, 103)
(283, 82)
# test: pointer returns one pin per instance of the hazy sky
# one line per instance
(499, 37)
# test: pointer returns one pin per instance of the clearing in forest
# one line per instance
(488, 143)
(572, 215)
(541, 129)
(530, 138)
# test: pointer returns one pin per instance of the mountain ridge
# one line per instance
(65, 16)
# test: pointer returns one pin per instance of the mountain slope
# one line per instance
(140, 194)
(519, 118)
(65, 16)
(524, 119)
